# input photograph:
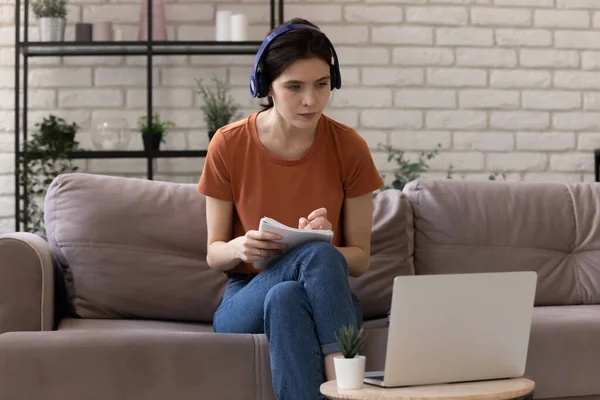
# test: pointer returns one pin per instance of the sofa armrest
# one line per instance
(26, 283)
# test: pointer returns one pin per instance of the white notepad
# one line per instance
(294, 237)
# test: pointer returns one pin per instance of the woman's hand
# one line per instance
(256, 245)
(316, 220)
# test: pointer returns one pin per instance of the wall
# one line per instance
(500, 85)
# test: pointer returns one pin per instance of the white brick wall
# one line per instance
(500, 85)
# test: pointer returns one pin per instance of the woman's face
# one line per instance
(301, 92)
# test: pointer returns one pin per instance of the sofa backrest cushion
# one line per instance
(132, 248)
(391, 253)
(466, 226)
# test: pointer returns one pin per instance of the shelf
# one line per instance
(133, 154)
(140, 48)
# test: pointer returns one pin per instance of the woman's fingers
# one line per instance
(319, 223)
(302, 223)
(259, 245)
(319, 212)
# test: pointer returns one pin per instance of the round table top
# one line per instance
(501, 389)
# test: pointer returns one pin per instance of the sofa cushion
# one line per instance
(478, 226)
(563, 357)
(391, 253)
(134, 364)
(132, 248)
(77, 324)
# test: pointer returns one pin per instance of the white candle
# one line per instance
(118, 35)
(223, 28)
(102, 31)
(239, 27)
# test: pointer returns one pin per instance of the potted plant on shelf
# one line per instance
(45, 155)
(218, 106)
(52, 15)
(350, 366)
(153, 136)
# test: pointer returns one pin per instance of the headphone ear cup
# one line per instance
(336, 79)
(253, 91)
(260, 84)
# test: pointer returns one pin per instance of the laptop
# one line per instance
(449, 328)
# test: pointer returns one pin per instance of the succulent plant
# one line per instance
(349, 342)
(49, 8)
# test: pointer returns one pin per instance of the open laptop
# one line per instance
(457, 327)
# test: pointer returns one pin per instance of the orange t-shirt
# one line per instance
(240, 169)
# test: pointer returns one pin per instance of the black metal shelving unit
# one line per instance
(24, 49)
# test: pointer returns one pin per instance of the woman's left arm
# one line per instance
(358, 222)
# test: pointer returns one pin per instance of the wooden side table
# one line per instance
(501, 389)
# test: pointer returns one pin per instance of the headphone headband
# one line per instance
(257, 82)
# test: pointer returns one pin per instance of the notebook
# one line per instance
(294, 237)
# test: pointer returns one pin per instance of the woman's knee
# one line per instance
(285, 299)
(283, 293)
(324, 258)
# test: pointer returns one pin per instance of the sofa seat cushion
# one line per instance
(75, 324)
(564, 357)
(133, 364)
(151, 360)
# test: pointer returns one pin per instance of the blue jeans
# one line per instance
(299, 302)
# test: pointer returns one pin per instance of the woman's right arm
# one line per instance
(221, 253)
(225, 252)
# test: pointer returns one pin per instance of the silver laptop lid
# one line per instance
(459, 327)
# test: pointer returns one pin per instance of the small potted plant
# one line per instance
(152, 137)
(219, 108)
(350, 366)
(52, 15)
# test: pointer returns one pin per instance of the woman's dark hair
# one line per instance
(291, 46)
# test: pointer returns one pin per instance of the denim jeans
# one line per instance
(299, 301)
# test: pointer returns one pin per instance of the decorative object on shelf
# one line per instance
(239, 27)
(45, 155)
(153, 138)
(83, 32)
(103, 31)
(219, 108)
(159, 25)
(112, 134)
(223, 25)
(350, 366)
(117, 34)
(52, 15)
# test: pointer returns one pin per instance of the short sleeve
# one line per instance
(361, 174)
(215, 179)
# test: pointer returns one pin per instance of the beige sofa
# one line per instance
(118, 302)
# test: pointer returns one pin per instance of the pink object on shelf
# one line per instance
(159, 25)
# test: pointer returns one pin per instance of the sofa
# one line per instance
(116, 300)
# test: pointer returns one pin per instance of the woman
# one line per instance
(292, 163)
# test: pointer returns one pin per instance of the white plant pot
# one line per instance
(349, 372)
(52, 29)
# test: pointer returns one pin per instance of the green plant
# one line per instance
(494, 175)
(159, 127)
(49, 8)
(491, 177)
(407, 170)
(219, 108)
(349, 342)
(410, 170)
(45, 156)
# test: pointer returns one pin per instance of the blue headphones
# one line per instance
(258, 84)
